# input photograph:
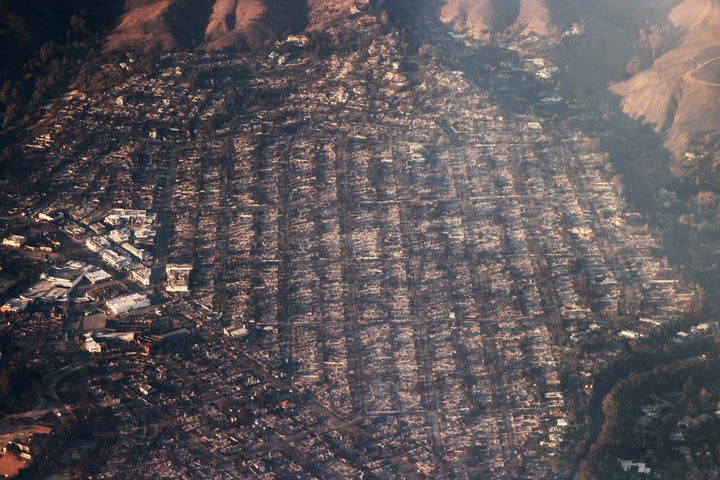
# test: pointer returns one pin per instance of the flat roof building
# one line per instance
(52, 215)
(115, 259)
(139, 253)
(98, 228)
(236, 332)
(178, 277)
(120, 236)
(95, 244)
(68, 276)
(119, 216)
(14, 305)
(145, 233)
(126, 303)
(97, 275)
(46, 291)
(91, 345)
(14, 241)
(141, 274)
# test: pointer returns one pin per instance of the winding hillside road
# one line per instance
(691, 75)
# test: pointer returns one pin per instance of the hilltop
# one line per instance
(220, 24)
(207, 24)
(661, 57)
(482, 18)
(678, 93)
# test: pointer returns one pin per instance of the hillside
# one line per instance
(219, 24)
(26, 25)
(322, 13)
(165, 24)
(534, 16)
(678, 94)
(250, 23)
(476, 17)
(668, 50)
(481, 18)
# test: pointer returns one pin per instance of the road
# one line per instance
(328, 416)
(48, 400)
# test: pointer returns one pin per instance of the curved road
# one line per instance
(690, 76)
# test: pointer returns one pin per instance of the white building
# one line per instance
(120, 236)
(145, 389)
(237, 332)
(141, 274)
(628, 466)
(126, 303)
(139, 253)
(91, 345)
(14, 305)
(95, 244)
(119, 216)
(121, 336)
(50, 216)
(67, 276)
(97, 275)
(14, 241)
(115, 259)
(145, 235)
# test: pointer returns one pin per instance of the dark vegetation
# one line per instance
(50, 47)
(689, 387)
(25, 26)
(19, 378)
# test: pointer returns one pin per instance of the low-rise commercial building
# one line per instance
(141, 274)
(14, 305)
(14, 241)
(126, 303)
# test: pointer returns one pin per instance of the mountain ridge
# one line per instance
(665, 48)
(480, 19)
(220, 24)
(676, 94)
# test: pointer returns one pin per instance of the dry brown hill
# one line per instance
(211, 24)
(477, 17)
(251, 23)
(480, 18)
(670, 47)
(675, 89)
(322, 13)
(679, 93)
(534, 16)
(217, 24)
(165, 24)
